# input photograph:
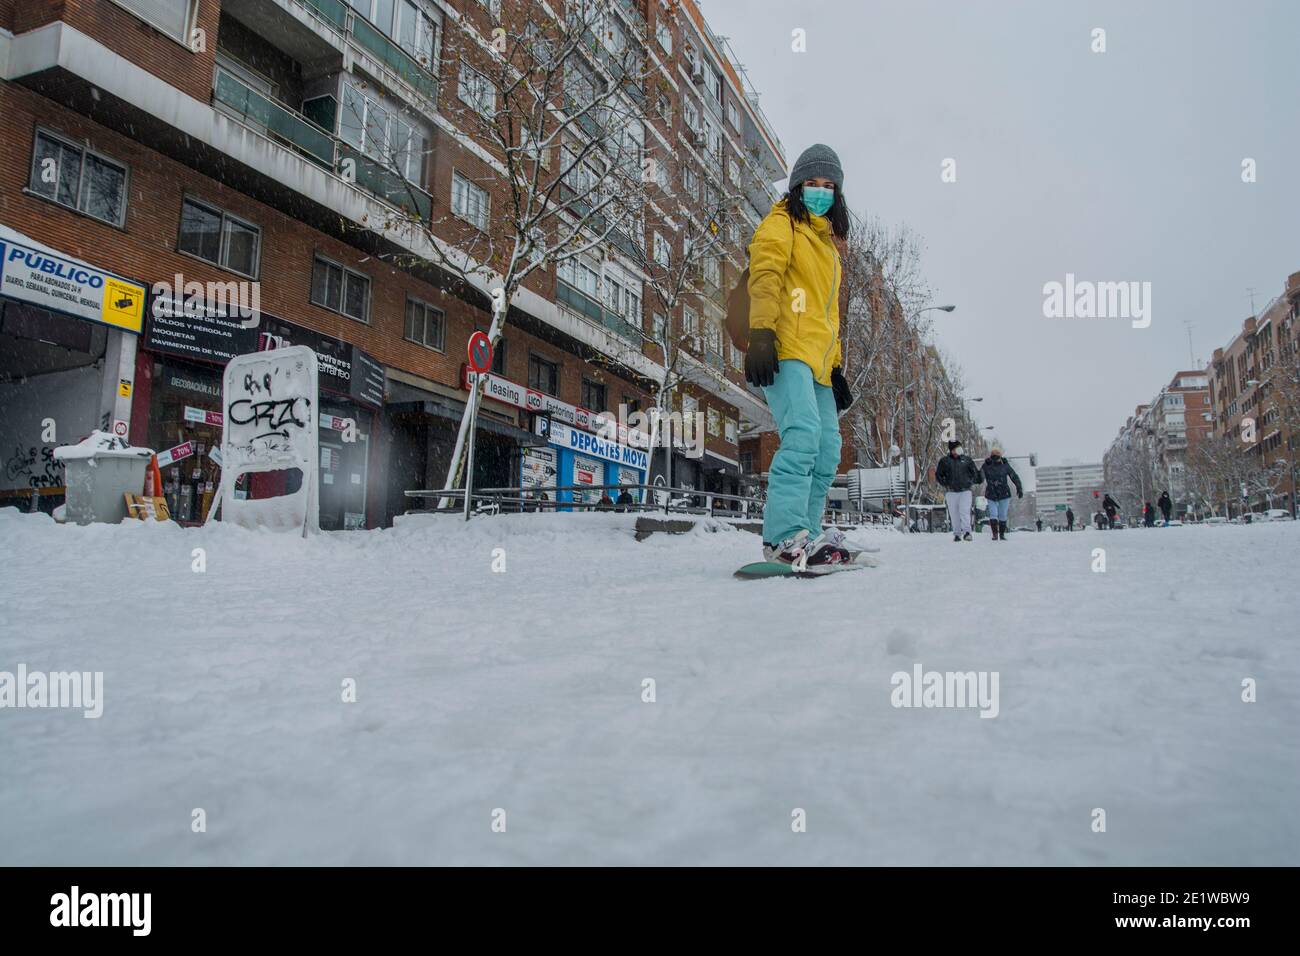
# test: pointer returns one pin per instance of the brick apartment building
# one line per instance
(1149, 455)
(1248, 385)
(207, 139)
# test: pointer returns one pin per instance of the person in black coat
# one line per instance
(1148, 515)
(1069, 519)
(956, 472)
(998, 476)
(1111, 507)
(1166, 506)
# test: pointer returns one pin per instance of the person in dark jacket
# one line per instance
(1166, 506)
(956, 472)
(1069, 519)
(1111, 507)
(998, 476)
(1148, 514)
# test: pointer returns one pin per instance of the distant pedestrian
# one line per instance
(998, 476)
(1099, 520)
(1166, 506)
(1148, 514)
(956, 472)
(1069, 519)
(1039, 522)
(625, 500)
(1111, 507)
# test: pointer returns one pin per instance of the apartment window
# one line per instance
(75, 177)
(340, 289)
(593, 396)
(543, 376)
(733, 116)
(713, 83)
(712, 271)
(425, 324)
(664, 36)
(662, 252)
(660, 325)
(172, 17)
(691, 56)
(468, 201)
(665, 108)
(376, 129)
(690, 114)
(691, 182)
(406, 23)
(690, 321)
(476, 90)
(733, 172)
(581, 276)
(499, 357)
(218, 237)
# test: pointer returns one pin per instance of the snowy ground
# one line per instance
(523, 691)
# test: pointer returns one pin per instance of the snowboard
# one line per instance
(778, 569)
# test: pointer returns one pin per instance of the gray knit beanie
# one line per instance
(817, 160)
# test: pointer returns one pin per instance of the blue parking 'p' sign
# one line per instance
(480, 352)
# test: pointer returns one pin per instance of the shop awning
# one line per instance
(718, 463)
(439, 407)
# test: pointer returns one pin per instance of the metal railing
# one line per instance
(660, 499)
(287, 126)
(376, 43)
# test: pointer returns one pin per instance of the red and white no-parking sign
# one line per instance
(480, 352)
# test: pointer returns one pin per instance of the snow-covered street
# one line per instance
(478, 690)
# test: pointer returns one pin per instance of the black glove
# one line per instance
(1021, 494)
(843, 394)
(760, 359)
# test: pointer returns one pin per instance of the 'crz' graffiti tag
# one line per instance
(274, 415)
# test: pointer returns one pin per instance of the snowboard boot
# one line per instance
(789, 551)
(828, 548)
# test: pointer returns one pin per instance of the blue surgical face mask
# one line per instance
(818, 199)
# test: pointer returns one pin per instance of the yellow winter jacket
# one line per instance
(794, 289)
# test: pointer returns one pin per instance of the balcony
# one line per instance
(290, 128)
(589, 307)
(377, 45)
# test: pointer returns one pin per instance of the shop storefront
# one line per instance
(68, 333)
(581, 458)
(575, 452)
(187, 344)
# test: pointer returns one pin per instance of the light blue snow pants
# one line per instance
(804, 466)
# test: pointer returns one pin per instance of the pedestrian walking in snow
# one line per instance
(1069, 519)
(1039, 523)
(956, 473)
(794, 355)
(1148, 514)
(998, 476)
(1111, 507)
(1166, 506)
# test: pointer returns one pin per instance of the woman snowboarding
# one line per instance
(998, 476)
(794, 356)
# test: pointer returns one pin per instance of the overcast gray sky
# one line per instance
(1115, 166)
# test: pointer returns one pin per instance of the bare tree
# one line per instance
(551, 102)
